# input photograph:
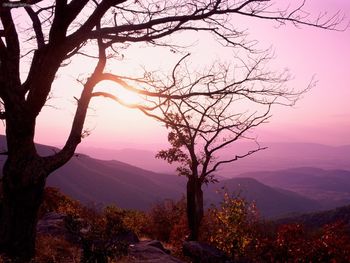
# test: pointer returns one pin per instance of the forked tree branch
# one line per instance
(36, 26)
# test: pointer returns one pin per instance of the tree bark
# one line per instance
(23, 182)
(194, 206)
(19, 210)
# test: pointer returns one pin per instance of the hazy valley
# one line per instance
(277, 156)
(277, 189)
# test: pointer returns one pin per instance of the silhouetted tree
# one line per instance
(202, 128)
(49, 34)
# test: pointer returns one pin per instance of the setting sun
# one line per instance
(123, 95)
(127, 96)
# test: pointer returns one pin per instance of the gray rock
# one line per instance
(203, 253)
(157, 244)
(53, 224)
(150, 251)
(129, 237)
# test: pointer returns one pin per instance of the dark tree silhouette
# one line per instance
(51, 33)
(201, 128)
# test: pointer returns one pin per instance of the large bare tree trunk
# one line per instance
(19, 212)
(194, 206)
(23, 183)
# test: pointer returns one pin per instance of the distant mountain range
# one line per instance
(270, 201)
(330, 187)
(136, 157)
(97, 181)
(103, 182)
(278, 156)
(319, 219)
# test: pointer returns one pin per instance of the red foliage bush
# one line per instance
(296, 243)
(167, 221)
(55, 201)
(235, 228)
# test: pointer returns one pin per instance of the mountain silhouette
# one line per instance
(277, 156)
(105, 182)
(329, 187)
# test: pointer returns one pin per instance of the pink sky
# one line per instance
(322, 116)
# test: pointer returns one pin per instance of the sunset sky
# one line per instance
(322, 116)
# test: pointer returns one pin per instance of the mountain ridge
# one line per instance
(330, 187)
(104, 182)
(278, 156)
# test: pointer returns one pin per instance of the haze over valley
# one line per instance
(134, 179)
(277, 156)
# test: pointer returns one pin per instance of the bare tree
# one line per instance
(202, 127)
(51, 33)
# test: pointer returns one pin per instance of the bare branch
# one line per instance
(36, 26)
(220, 113)
(76, 134)
(237, 157)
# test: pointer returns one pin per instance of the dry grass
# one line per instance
(50, 249)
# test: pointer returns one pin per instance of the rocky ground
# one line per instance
(53, 224)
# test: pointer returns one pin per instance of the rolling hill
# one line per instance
(137, 157)
(278, 156)
(103, 182)
(91, 180)
(330, 187)
(319, 219)
(271, 202)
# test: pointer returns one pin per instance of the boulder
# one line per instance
(204, 253)
(150, 251)
(53, 224)
(128, 237)
(157, 244)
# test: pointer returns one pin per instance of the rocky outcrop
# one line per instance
(54, 224)
(128, 237)
(203, 253)
(150, 251)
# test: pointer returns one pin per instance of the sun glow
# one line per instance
(128, 97)
(123, 95)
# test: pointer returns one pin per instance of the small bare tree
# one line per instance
(202, 127)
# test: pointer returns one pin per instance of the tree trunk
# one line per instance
(23, 182)
(19, 212)
(194, 207)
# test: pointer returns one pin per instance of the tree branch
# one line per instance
(237, 157)
(36, 26)
(74, 138)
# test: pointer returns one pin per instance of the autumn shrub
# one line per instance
(167, 221)
(136, 221)
(55, 201)
(231, 226)
(295, 243)
(99, 234)
(333, 245)
(291, 242)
